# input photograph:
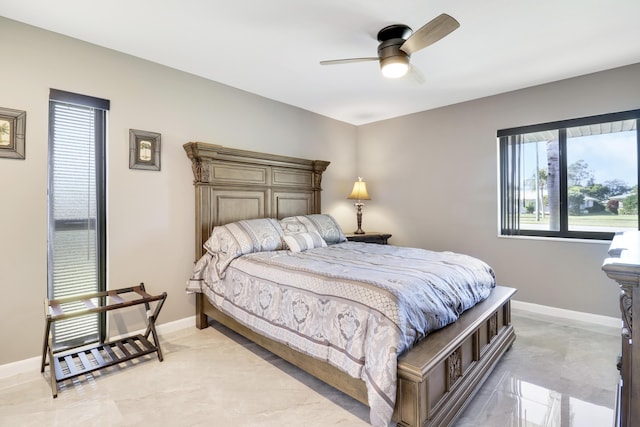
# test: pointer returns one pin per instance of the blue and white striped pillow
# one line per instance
(298, 242)
(324, 224)
(228, 242)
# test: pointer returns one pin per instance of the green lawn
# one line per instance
(589, 220)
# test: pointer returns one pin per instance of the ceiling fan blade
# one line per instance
(416, 75)
(347, 61)
(430, 33)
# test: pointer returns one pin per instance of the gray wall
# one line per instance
(432, 177)
(150, 214)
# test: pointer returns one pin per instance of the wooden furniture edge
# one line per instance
(369, 237)
(623, 266)
(202, 151)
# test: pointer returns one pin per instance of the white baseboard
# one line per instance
(33, 364)
(165, 328)
(177, 325)
(596, 319)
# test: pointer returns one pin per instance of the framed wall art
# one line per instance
(144, 150)
(12, 129)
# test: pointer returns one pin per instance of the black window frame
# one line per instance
(561, 126)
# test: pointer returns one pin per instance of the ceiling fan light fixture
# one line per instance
(394, 67)
(398, 42)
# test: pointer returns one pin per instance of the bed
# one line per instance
(434, 380)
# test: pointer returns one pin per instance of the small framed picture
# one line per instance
(12, 129)
(144, 150)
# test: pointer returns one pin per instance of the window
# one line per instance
(571, 179)
(76, 203)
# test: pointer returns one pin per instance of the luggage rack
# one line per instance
(78, 361)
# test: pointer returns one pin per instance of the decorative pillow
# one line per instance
(323, 224)
(298, 242)
(228, 242)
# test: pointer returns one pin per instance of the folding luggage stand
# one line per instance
(78, 361)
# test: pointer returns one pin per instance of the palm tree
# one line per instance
(553, 183)
(542, 181)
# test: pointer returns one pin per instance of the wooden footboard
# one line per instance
(436, 379)
(439, 376)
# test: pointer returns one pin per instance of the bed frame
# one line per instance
(437, 378)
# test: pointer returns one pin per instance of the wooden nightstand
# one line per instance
(371, 237)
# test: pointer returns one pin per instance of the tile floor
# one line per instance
(557, 373)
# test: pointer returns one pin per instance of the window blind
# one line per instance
(511, 176)
(76, 210)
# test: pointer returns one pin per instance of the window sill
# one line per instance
(557, 239)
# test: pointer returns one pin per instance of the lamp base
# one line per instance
(359, 218)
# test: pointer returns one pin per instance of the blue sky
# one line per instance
(609, 156)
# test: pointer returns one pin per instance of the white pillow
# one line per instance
(298, 242)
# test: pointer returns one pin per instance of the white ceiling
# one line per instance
(273, 48)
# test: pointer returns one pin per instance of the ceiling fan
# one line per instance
(398, 42)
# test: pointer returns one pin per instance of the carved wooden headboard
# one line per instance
(236, 184)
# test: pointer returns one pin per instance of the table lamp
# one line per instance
(359, 193)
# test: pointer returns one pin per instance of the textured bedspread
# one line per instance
(356, 305)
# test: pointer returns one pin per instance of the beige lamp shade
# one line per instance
(359, 191)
